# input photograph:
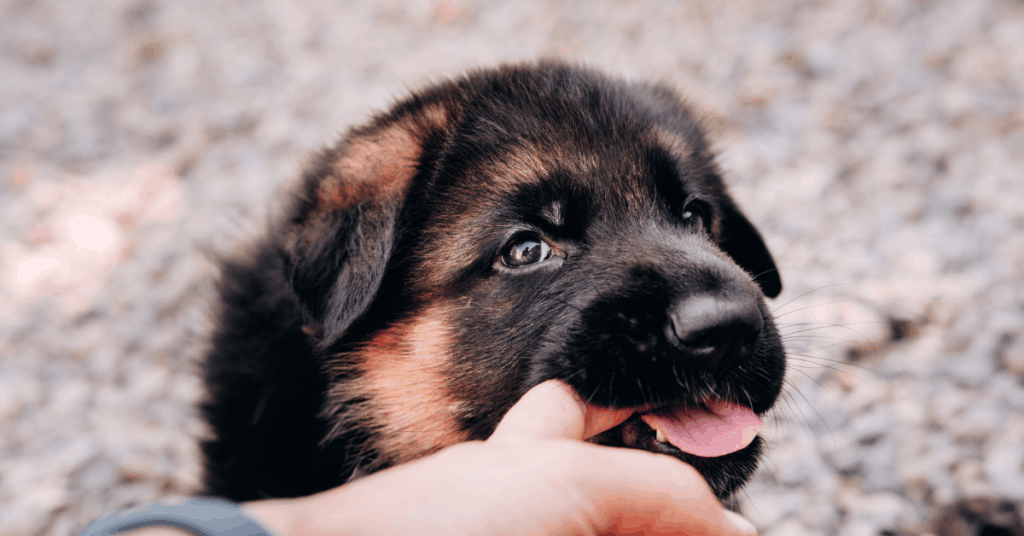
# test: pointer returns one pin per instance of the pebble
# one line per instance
(1004, 459)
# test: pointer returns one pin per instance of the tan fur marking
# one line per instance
(675, 143)
(432, 118)
(452, 246)
(553, 213)
(525, 164)
(453, 241)
(406, 378)
(528, 163)
(375, 166)
(380, 164)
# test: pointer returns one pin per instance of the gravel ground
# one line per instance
(878, 145)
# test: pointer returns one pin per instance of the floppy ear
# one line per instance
(684, 135)
(341, 232)
(742, 242)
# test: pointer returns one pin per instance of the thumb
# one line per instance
(553, 410)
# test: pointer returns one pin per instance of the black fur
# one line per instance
(616, 177)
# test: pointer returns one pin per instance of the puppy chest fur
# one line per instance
(484, 235)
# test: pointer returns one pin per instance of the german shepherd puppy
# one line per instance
(484, 235)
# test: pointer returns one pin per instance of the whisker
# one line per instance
(779, 308)
(811, 359)
(822, 419)
(808, 307)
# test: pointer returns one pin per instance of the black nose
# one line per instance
(720, 333)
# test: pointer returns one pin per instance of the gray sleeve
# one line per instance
(203, 517)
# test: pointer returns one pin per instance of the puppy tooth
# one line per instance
(660, 436)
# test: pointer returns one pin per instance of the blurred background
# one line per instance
(878, 145)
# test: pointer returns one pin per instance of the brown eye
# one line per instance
(694, 215)
(526, 251)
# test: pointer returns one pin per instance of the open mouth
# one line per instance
(712, 428)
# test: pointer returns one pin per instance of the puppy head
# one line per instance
(522, 224)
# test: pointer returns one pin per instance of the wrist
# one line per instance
(280, 516)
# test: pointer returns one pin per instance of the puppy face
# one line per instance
(514, 226)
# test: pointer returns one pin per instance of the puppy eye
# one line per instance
(694, 215)
(526, 251)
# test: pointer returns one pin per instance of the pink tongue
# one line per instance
(726, 428)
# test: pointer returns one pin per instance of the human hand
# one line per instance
(534, 475)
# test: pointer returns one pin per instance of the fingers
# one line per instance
(628, 491)
(739, 523)
(652, 494)
(554, 410)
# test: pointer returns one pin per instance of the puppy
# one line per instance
(484, 235)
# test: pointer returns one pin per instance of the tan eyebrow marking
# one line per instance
(553, 213)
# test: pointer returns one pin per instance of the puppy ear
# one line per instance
(741, 241)
(680, 131)
(339, 238)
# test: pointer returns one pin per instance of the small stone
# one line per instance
(1004, 459)
(789, 527)
(1013, 358)
(878, 510)
(977, 420)
(969, 475)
